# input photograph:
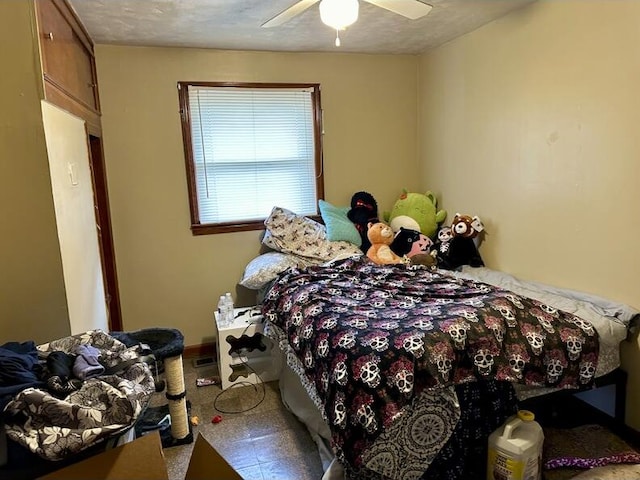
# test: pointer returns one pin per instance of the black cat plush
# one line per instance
(364, 209)
(414, 246)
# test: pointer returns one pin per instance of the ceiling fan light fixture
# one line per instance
(338, 14)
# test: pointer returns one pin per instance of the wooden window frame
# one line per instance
(198, 228)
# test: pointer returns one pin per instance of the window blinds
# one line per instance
(253, 149)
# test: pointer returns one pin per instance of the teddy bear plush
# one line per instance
(416, 211)
(364, 210)
(457, 245)
(381, 236)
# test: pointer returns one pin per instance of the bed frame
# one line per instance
(564, 409)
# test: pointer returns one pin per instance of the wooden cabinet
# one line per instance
(68, 64)
(69, 79)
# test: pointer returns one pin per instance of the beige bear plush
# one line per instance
(380, 235)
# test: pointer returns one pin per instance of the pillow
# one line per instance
(297, 234)
(338, 225)
(266, 267)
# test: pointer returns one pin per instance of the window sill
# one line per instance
(215, 228)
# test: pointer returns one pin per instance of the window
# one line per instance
(248, 148)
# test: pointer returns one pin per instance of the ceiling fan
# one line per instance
(339, 14)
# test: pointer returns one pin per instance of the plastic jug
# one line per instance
(515, 449)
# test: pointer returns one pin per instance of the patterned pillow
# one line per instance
(288, 232)
(266, 267)
(338, 225)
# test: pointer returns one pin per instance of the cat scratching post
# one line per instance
(176, 395)
(167, 345)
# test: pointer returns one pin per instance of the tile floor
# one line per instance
(263, 441)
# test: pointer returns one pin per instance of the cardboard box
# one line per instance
(143, 459)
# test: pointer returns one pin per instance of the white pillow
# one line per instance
(266, 267)
(291, 233)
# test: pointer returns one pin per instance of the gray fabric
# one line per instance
(584, 302)
(267, 266)
(297, 400)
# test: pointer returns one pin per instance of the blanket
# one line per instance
(55, 428)
(372, 338)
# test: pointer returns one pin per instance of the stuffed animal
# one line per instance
(429, 260)
(381, 236)
(444, 238)
(410, 242)
(364, 210)
(466, 226)
(414, 246)
(416, 211)
(457, 244)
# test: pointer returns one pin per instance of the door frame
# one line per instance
(103, 226)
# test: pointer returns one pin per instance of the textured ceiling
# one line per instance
(235, 25)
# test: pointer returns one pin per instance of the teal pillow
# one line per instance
(339, 227)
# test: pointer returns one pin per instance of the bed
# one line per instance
(401, 371)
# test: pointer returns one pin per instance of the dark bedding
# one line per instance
(372, 339)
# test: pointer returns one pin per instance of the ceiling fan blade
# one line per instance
(411, 9)
(289, 13)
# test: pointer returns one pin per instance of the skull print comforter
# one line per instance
(371, 342)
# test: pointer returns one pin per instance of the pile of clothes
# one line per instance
(59, 372)
(64, 396)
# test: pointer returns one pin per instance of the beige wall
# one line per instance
(532, 123)
(32, 293)
(167, 276)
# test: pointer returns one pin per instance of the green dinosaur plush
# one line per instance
(416, 211)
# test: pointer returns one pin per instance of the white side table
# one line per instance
(244, 353)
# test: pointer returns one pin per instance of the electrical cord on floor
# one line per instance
(243, 383)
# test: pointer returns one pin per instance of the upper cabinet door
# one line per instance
(67, 54)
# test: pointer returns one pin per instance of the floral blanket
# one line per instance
(105, 405)
(371, 339)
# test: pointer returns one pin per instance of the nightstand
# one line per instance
(244, 353)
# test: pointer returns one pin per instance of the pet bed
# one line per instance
(104, 406)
